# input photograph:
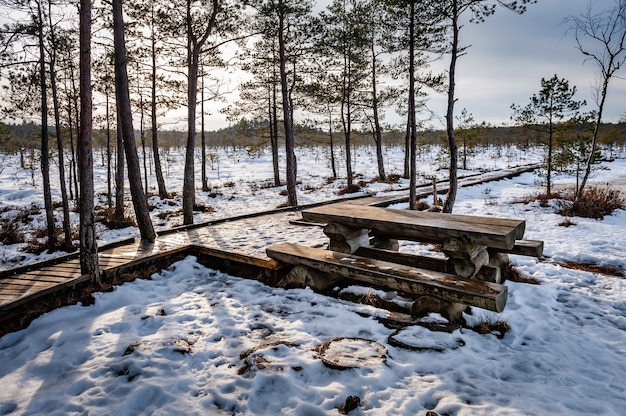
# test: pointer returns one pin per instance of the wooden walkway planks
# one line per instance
(35, 281)
(19, 289)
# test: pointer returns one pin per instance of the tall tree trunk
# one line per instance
(142, 136)
(109, 172)
(346, 116)
(407, 148)
(205, 183)
(378, 136)
(412, 123)
(70, 129)
(550, 151)
(77, 113)
(332, 144)
(57, 124)
(140, 202)
(194, 48)
(189, 194)
(452, 191)
(120, 163)
(594, 140)
(292, 198)
(88, 245)
(273, 115)
(45, 153)
(158, 171)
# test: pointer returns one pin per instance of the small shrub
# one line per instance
(10, 233)
(267, 185)
(596, 202)
(422, 205)
(393, 178)
(36, 246)
(349, 189)
(203, 208)
(229, 184)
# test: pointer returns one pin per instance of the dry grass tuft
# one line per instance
(203, 208)
(113, 220)
(349, 189)
(512, 274)
(498, 328)
(567, 222)
(593, 268)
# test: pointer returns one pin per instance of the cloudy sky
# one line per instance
(508, 57)
(510, 54)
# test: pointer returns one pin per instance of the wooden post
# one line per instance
(465, 259)
(345, 239)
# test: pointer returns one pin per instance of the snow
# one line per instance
(197, 341)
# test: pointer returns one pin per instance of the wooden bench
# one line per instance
(486, 295)
(364, 247)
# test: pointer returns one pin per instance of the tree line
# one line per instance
(340, 68)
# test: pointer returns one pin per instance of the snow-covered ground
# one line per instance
(196, 341)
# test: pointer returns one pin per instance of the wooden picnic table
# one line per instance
(431, 227)
(364, 246)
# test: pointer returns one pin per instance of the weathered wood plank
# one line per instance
(237, 257)
(306, 224)
(15, 282)
(23, 297)
(52, 272)
(107, 263)
(406, 259)
(491, 296)
(532, 248)
(421, 226)
(36, 277)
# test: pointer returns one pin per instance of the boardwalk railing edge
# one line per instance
(61, 258)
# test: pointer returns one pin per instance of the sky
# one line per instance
(511, 53)
(508, 57)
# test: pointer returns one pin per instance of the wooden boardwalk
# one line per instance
(22, 286)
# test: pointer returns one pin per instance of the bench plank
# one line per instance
(486, 295)
(421, 226)
(532, 248)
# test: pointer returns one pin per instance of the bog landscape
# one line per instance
(297, 207)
